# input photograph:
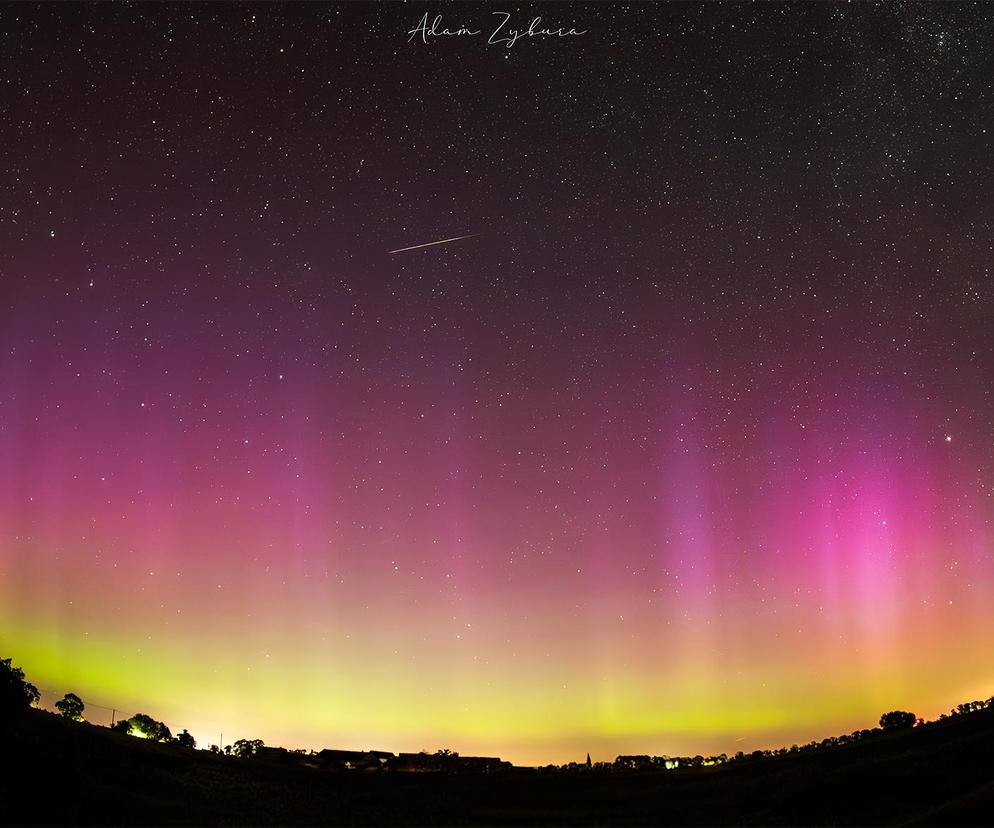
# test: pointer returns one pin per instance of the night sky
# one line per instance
(689, 448)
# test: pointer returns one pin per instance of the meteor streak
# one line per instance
(429, 244)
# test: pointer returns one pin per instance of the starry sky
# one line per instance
(690, 448)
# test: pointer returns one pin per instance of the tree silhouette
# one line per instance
(121, 726)
(71, 707)
(897, 720)
(16, 694)
(244, 748)
(147, 727)
(184, 739)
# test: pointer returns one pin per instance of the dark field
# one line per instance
(61, 772)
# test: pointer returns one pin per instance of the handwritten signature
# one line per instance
(503, 34)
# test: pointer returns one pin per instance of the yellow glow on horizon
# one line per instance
(526, 712)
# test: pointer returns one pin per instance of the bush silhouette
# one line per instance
(897, 720)
(16, 694)
(71, 707)
(121, 726)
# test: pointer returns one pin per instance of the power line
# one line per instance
(55, 694)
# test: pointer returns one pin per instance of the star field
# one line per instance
(690, 442)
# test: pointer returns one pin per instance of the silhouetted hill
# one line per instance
(62, 772)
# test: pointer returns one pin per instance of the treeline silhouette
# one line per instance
(17, 695)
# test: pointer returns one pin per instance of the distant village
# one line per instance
(381, 760)
(446, 761)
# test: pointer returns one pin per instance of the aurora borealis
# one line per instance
(689, 448)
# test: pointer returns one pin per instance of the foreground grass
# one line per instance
(58, 772)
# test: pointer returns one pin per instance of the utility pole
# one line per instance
(113, 717)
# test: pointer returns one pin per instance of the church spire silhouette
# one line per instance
(588, 760)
